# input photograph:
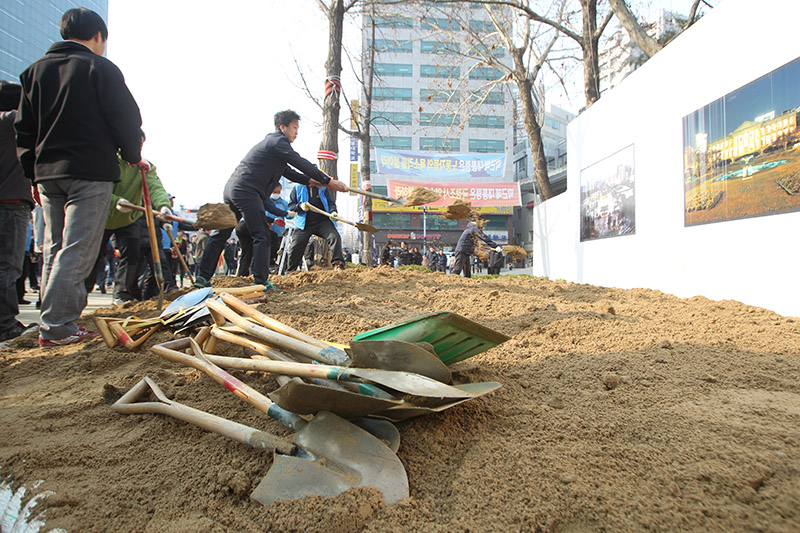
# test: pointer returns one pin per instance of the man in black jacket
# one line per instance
(251, 183)
(466, 246)
(76, 113)
(16, 203)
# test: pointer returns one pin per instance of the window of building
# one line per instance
(487, 146)
(439, 144)
(556, 125)
(437, 119)
(392, 220)
(394, 22)
(391, 45)
(487, 121)
(392, 143)
(485, 73)
(431, 23)
(438, 47)
(401, 94)
(490, 97)
(400, 70)
(439, 71)
(440, 223)
(521, 168)
(493, 50)
(495, 222)
(397, 118)
(481, 26)
(433, 95)
(373, 166)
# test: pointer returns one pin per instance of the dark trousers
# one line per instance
(325, 230)
(462, 263)
(14, 219)
(126, 276)
(250, 205)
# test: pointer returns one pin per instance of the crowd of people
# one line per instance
(70, 150)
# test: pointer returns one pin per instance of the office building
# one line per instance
(29, 27)
(434, 95)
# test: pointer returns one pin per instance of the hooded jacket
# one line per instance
(76, 113)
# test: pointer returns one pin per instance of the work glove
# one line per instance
(143, 165)
(291, 214)
(122, 208)
(166, 211)
(499, 249)
(335, 215)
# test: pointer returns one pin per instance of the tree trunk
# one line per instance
(591, 61)
(333, 70)
(635, 30)
(532, 127)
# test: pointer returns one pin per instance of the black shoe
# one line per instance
(23, 302)
(38, 304)
(102, 289)
(15, 331)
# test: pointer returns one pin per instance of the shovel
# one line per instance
(325, 458)
(410, 201)
(386, 354)
(219, 222)
(155, 249)
(305, 206)
(409, 410)
(304, 399)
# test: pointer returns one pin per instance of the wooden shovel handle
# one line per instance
(134, 207)
(234, 430)
(305, 206)
(242, 308)
(325, 355)
(247, 393)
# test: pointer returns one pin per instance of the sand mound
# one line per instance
(621, 410)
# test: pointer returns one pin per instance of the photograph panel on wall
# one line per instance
(741, 153)
(608, 197)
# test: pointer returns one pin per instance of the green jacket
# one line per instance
(130, 187)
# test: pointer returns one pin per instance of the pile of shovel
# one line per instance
(351, 395)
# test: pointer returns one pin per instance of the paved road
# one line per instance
(29, 313)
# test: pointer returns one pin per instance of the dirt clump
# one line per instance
(422, 196)
(621, 410)
(215, 216)
(458, 210)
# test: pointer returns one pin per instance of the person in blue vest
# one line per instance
(308, 223)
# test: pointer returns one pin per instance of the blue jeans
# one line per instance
(75, 214)
(14, 219)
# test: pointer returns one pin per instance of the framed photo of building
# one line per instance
(608, 199)
(741, 153)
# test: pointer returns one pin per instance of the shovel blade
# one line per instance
(352, 458)
(398, 355)
(308, 399)
(366, 227)
(410, 410)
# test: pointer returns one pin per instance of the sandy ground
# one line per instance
(621, 410)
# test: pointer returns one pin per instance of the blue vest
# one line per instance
(301, 191)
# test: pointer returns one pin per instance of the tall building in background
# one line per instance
(29, 27)
(554, 138)
(619, 56)
(433, 95)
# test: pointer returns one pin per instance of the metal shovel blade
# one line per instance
(356, 459)
(308, 399)
(398, 355)
(410, 410)
(366, 227)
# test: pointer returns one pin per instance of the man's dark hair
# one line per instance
(82, 24)
(10, 94)
(284, 118)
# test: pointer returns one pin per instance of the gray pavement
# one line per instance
(28, 313)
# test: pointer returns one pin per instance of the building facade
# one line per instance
(434, 93)
(554, 138)
(29, 27)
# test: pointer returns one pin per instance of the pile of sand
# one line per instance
(621, 410)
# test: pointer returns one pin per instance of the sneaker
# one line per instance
(78, 336)
(23, 302)
(201, 283)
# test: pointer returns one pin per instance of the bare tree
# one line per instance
(334, 10)
(528, 46)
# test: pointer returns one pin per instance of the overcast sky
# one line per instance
(209, 76)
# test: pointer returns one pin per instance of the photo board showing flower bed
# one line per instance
(741, 153)
(608, 197)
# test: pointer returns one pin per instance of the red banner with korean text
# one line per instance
(478, 194)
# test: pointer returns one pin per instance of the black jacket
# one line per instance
(14, 186)
(76, 113)
(469, 239)
(267, 161)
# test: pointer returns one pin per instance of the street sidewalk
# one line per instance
(28, 313)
